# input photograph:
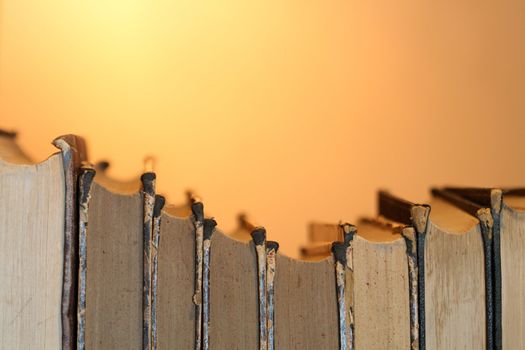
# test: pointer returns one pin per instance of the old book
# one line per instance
(117, 254)
(183, 320)
(379, 280)
(234, 302)
(176, 316)
(224, 293)
(507, 207)
(38, 260)
(306, 315)
(295, 301)
(454, 278)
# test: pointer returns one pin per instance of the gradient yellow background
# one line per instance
(291, 110)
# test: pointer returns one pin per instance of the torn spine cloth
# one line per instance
(157, 210)
(152, 206)
(204, 229)
(266, 252)
(342, 254)
(259, 239)
(87, 174)
(209, 227)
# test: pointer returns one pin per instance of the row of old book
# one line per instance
(91, 262)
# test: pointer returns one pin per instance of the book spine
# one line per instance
(209, 227)
(148, 193)
(198, 219)
(341, 252)
(487, 233)
(73, 154)
(394, 208)
(415, 215)
(259, 239)
(496, 197)
(419, 216)
(157, 211)
(85, 180)
(409, 235)
(271, 250)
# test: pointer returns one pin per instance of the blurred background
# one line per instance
(291, 110)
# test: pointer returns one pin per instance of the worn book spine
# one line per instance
(148, 195)
(198, 219)
(73, 151)
(409, 234)
(259, 239)
(157, 210)
(415, 215)
(496, 197)
(208, 229)
(340, 252)
(271, 250)
(420, 213)
(85, 181)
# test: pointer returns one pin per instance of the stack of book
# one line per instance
(91, 262)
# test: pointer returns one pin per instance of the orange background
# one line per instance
(291, 110)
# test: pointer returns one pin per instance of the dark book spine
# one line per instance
(209, 228)
(259, 240)
(394, 208)
(157, 211)
(85, 181)
(148, 195)
(198, 220)
(271, 251)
